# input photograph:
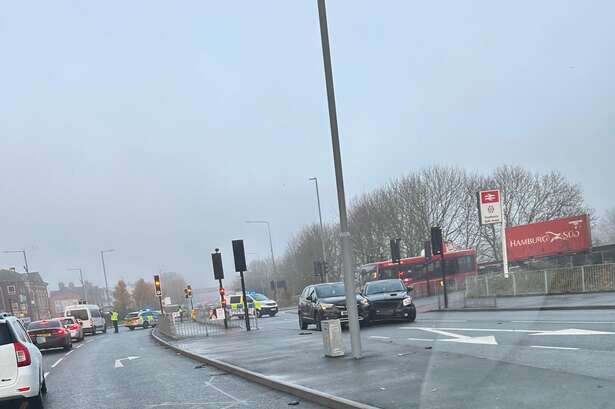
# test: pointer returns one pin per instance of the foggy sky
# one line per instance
(158, 128)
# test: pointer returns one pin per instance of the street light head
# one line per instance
(313, 178)
(217, 250)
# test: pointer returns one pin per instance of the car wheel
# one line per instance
(44, 387)
(146, 325)
(105, 329)
(318, 326)
(68, 347)
(302, 324)
(131, 328)
(412, 316)
(37, 401)
(93, 330)
(272, 314)
(259, 314)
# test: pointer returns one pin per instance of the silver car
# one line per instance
(73, 325)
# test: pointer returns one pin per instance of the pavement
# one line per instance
(527, 302)
(501, 359)
(90, 376)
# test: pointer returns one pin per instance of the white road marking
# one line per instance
(569, 331)
(45, 375)
(436, 320)
(57, 362)
(574, 331)
(69, 352)
(566, 322)
(548, 347)
(421, 339)
(118, 362)
(485, 340)
(78, 346)
(228, 395)
(379, 337)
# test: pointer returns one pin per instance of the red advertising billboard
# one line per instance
(566, 235)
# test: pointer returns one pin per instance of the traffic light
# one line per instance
(216, 259)
(436, 241)
(186, 292)
(157, 285)
(395, 250)
(189, 288)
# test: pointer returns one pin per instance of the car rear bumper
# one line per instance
(28, 377)
(51, 342)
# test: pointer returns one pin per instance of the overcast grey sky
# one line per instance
(157, 128)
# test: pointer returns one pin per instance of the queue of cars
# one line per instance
(378, 301)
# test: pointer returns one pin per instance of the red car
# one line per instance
(47, 334)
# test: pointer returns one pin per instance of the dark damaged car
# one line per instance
(389, 300)
(320, 302)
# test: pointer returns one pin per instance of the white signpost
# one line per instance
(490, 211)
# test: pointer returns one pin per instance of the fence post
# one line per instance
(514, 281)
(487, 284)
(546, 282)
(582, 278)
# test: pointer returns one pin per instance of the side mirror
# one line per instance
(409, 288)
(309, 298)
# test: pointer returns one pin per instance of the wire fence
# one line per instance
(566, 280)
(204, 323)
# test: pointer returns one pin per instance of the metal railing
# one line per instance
(202, 323)
(565, 280)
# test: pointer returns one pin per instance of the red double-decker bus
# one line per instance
(425, 275)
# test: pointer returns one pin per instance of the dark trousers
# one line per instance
(115, 326)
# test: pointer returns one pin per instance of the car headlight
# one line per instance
(325, 306)
(407, 301)
(364, 301)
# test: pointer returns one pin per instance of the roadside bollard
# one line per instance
(332, 338)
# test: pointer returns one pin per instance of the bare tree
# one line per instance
(606, 228)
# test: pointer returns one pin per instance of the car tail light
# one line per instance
(22, 354)
(73, 326)
(59, 331)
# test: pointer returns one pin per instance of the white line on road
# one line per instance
(436, 320)
(421, 339)
(45, 375)
(57, 362)
(548, 347)
(379, 337)
(209, 383)
(78, 346)
(69, 352)
(565, 322)
(463, 339)
(477, 329)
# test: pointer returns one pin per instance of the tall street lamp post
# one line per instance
(275, 271)
(102, 259)
(322, 229)
(85, 294)
(351, 301)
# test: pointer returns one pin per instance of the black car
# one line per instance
(389, 300)
(47, 334)
(326, 301)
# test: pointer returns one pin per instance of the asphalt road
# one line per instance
(528, 359)
(90, 377)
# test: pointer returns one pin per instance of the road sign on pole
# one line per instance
(490, 206)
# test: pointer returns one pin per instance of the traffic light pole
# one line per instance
(160, 299)
(246, 312)
(443, 264)
(223, 303)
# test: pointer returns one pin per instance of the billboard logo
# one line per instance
(576, 223)
(489, 207)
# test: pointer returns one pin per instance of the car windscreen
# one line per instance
(384, 287)
(259, 297)
(79, 314)
(67, 321)
(131, 315)
(330, 290)
(235, 299)
(44, 324)
(5, 334)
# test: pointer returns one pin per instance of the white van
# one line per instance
(90, 317)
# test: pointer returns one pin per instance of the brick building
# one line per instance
(24, 295)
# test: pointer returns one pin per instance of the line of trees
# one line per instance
(406, 207)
